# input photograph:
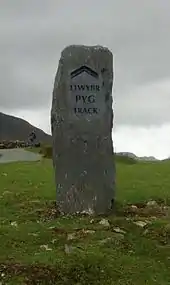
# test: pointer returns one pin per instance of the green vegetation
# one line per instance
(39, 247)
(46, 151)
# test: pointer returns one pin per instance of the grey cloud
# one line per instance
(33, 34)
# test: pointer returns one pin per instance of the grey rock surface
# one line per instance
(81, 124)
(12, 155)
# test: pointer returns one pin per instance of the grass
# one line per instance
(37, 247)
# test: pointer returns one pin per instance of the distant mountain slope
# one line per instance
(133, 156)
(13, 128)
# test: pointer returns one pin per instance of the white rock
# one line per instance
(104, 223)
(152, 204)
(14, 224)
(89, 231)
(133, 207)
(140, 223)
(45, 246)
(118, 230)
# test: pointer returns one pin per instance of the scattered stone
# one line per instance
(45, 246)
(7, 192)
(52, 227)
(140, 223)
(133, 207)
(152, 204)
(88, 231)
(81, 123)
(14, 224)
(153, 218)
(119, 236)
(71, 236)
(104, 223)
(88, 212)
(33, 234)
(118, 230)
(116, 238)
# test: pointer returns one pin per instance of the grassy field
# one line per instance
(37, 247)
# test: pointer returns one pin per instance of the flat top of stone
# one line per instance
(86, 47)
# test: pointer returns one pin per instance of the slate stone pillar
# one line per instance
(81, 123)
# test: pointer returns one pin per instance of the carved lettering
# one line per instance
(86, 110)
(83, 87)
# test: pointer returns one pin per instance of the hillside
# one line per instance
(134, 157)
(38, 246)
(13, 128)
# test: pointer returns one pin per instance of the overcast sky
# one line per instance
(33, 33)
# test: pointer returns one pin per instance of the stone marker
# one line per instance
(81, 123)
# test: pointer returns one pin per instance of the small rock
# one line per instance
(88, 231)
(4, 174)
(6, 192)
(88, 212)
(133, 207)
(52, 227)
(92, 221)
(152, 204)
(127, 219)
(131, 251)
(71, 236)
(153, 218)
(45, 246)
(104, 223)
(140, 223)
(33, 234)
(35, 201)
(14, 224)
(117, 237)
(118, 230)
